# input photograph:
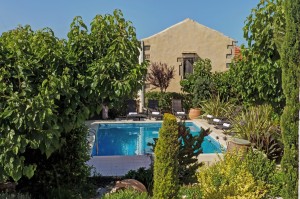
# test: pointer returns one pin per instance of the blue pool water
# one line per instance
(132, 139)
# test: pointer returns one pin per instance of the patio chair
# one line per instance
(177, 109)
(224, 126)
(132, 111)
(153, 110)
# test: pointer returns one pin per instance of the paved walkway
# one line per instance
(118, 165)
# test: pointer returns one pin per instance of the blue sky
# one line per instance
(148, 16)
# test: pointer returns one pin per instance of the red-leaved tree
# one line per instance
(160, 75)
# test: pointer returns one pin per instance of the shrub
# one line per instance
(143, 175)
(166, 160)
(199, 84)
(256, 125)
(190, 148)
(64, 173)
(230, 178)
(290, 84)
(190, 191)
(165, 99)
(14, 196)
(264, 170)
(126, 194)
(217, 107)
(223, 86)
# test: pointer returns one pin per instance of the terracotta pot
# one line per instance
(194, 113)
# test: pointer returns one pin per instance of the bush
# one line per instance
(264, 170)
(223, 86)
(190, 191)
(166, 151)
(143, 175)
(217, 107)
(126, 194)
(199, 84)
(165, 99)
(190, 148)
(230, 178)
(64, 173)
(256, 125)
(14, 196)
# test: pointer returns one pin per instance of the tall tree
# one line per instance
(290, 85)
(257, 76)
(166, 181)
(160, 75)
(49, 87)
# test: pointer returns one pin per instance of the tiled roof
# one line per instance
(237, 53)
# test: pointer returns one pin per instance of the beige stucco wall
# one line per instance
(188, 36)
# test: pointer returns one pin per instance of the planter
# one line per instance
(236, 144)
(194, 113)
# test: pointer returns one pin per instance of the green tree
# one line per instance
(166, 184)
(290, 85)
(49, 87)
(199, 84)
(257, 75)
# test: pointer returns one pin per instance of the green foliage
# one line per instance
(217, 107)
(165, 99)
(14, 196)
(65, 172)
(256, 78)
(190, 191)
(166, 183)
(223, 86)
(128, 194)
(230, 178)
(49, 87)
(256, 125)
(190, 148)
(290, 84)
(143, 175)
(199, 84)
(28, 110)
(264, 170)
(160, 75)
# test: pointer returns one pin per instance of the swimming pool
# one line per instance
(131, 139)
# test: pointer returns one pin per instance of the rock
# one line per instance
(129, 183)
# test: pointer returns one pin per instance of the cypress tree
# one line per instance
(290, 85)
(166, 181)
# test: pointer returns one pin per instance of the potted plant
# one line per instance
(198, 85)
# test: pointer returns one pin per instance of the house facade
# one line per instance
(182, 44)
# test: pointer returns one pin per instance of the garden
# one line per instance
(49, 87)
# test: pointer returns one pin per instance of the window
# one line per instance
(228, 56)
(188, 66)
(147, 47)
(187, 60)
(228, 65)
(147, 56)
